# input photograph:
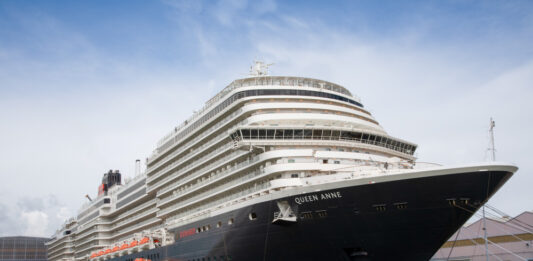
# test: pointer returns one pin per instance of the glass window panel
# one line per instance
(298, 134)
(326, 134)
(287, 134)
(270, 134)
(317, 134)
(308, 134)
(262, 134)
(279, 134)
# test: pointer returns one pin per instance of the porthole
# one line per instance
(252, 216)
(230, 221)
(219, 224)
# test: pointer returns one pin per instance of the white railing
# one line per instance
(197, 213)
(236, 168)
(188, 122)
(184, 169)
(129, 212)
(196, 151)
(201, 196)
(207, 132)
(225, 160)
(135, 217)
(90, 224)
(135, 227)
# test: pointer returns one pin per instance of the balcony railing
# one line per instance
(208, 168)
(234, 169)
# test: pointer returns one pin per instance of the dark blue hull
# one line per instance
(395, 220)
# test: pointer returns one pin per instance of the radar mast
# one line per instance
(259, 68)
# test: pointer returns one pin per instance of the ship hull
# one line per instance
(407, 219)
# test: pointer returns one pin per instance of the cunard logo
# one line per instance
(317, 197)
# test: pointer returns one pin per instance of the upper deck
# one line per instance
(265, 81)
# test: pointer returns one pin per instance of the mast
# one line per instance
(491, 133)
(493, 158)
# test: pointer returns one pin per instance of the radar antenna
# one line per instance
(259, 68)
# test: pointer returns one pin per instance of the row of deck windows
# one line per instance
(324, 134)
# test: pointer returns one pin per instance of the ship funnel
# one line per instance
(137, 167)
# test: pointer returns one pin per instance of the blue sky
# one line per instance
(87, 86)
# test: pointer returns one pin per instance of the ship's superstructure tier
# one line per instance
(258, 136)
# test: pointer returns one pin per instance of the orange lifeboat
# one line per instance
(134, 243)
(115, 249)
(101, 253)
(144, 240)
(93, 255)
(107, 251)
(124, 246)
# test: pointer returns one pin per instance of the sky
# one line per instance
(88, 86)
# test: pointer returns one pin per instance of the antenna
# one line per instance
(89, 198)
(491, 133)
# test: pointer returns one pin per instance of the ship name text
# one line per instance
(188, 232)
(317, 197)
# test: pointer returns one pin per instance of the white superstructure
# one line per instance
(259, 136)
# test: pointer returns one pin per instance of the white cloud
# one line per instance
(35, 223)
(64, 213)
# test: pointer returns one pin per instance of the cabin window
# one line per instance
(306, 215)
(380, 207)
(294, 175)
(219, 224)
(252, 216)
(401, 205)
(322, 213)
(230, 221)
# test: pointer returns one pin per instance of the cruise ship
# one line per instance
(278, 168)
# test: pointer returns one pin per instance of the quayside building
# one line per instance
(508, 239)
(20, 248)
